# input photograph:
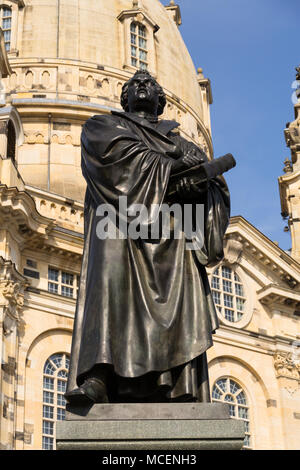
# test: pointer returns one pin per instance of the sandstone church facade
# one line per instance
(55, 73)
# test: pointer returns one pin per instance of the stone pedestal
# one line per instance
(150, 426)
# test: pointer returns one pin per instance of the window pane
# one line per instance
(49, 368)
(241, 398)
(142, 43)
(243, 412)
(48, 397)
(47, 443)
(216, 297)
(133, 51)
(222, 383)
(229, 398)
(240, 304)
(67, 278)
(57, 359)
(6, 23)
(247, 441)
(142, 31)
(226, 272)
(143, 55)
(53, 288)
(47, 411)
(228, 300)
(6, 12)
(48, 427)
(67, 291)
(60, 414)
(239, 290)
(143, 66)
(63, 373)
(6, 35)
(61, 385)
(229, 315)
(48, 383)
(133, 27)
(61, 400)
(215, 283)
(233, 387)
(232, 411)
(227, 286)
(133, 62)
(246, 426)
(53, 274)
(133, 39)
(216, 393)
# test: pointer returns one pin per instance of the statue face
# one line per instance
(143, 94)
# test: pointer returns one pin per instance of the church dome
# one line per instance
(69, 60)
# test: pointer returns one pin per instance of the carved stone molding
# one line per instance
(12, 288)
(286, 366)
(232, 251)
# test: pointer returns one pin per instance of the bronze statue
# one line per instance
(145, 314)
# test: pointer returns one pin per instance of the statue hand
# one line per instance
(192, 158)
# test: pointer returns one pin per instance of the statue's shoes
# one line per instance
(91, 391)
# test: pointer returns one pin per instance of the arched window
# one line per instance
(6, 16)
(138, 43)
(228, 391)
(228, 293)
(54, 386)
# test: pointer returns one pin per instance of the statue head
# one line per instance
(143, 93)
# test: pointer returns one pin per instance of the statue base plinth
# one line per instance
(150, 426)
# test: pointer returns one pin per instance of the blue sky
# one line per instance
(249, 49)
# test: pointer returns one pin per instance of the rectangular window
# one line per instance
(62, 282)
(31, 273)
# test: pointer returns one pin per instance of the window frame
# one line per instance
(61, 285)
(141, 17)
(136, 44)
(51, 394)
(227, 391)
(249, 299)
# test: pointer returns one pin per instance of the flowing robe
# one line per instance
(144, 307)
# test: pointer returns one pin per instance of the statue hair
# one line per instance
(161, 94)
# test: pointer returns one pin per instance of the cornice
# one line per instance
(140, 15)
(266, 252)
(18, 210)
(273, 295)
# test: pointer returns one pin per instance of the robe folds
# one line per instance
(144, 307)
